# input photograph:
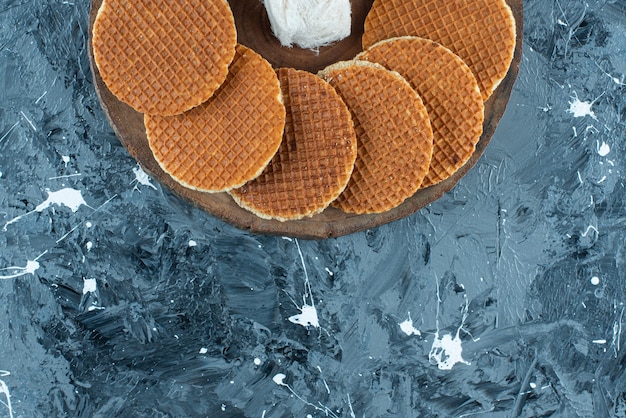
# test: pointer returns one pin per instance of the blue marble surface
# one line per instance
(504, 298)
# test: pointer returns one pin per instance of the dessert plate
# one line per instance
(253, 30)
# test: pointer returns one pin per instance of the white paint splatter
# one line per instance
(323, 380)
(141, 177)
(581, 109)
(408, 328)
(307, 317)
(350, 405)
(89, 246)
(204, 350)
(546, 108)
(603, 149)
(595, 280)
(65, 176)
(589, 229)
(192, 243)
(31, 267)
(30, 122)
(9, 132)
(68, 197)
(41, 97)
(617, 334)
(89, 286)
(616, 80)
(447, 350)
(308, 314)
(279, 379)
(4, 389)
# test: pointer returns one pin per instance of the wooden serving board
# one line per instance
(253, 30)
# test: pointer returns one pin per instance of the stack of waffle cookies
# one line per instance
(361, 135)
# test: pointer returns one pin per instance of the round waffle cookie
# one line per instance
(481, 32)
(315, 159)
(163, 57)
(395, 139)
(449, 91)
(229, 139)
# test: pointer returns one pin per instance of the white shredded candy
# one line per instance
(309, 24)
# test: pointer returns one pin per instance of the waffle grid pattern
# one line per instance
(481, 32)
(215, 117)
(394, 134)
(229, 139)
(450, 93)
(163, 57)
(316, 157)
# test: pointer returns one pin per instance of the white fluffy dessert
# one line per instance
(309, 24)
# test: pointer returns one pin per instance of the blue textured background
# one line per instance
(134, 304)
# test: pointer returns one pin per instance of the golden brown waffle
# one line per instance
(315, 159)
(163, 57)
(449, 91)
(229, 139)
(481, 32)
(395, 140)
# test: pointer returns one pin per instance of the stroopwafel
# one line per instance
(229, 139)
(316, 156)
(449, 92)
(163, 57)
(394, 136)
(481, 32)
